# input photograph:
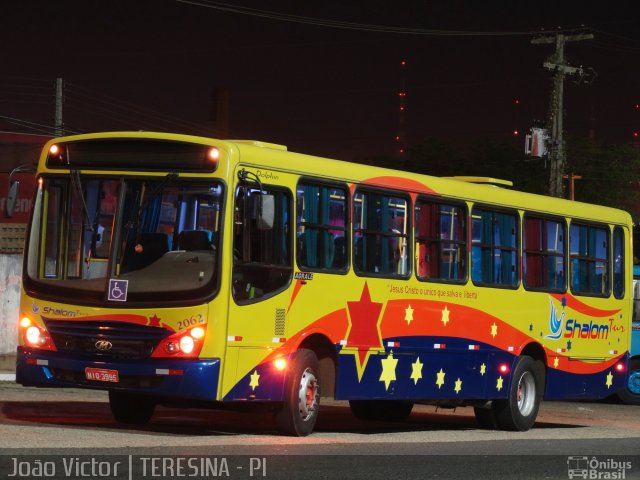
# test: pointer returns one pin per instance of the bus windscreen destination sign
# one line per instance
(131, 154)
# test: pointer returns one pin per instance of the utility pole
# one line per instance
(219, 112)
(556, 63)
(59, 126)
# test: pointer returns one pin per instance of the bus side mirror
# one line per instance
(14, 186)
(265, 213)
(12, 198)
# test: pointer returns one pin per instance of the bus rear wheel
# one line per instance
(131, 408)
(299, 411)
(519, 411)
(383, 410)
(630, 394)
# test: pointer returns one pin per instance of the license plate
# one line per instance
(101, 375)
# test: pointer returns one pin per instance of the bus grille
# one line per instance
(117, 340)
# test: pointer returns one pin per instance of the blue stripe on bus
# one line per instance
(199, 378)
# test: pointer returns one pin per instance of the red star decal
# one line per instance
(154, 321)
(363, 331)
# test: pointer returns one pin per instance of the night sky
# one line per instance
(155, 65)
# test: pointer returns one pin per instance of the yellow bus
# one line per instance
(177, 269)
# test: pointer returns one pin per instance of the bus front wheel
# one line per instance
(519, 411)
(299, 411)
(130, 408)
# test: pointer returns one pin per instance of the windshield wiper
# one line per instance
(134, 220)
(76, 185)
(170, 177)
(77, 190)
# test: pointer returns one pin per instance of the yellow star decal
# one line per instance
(556, 362)
(445, 316)
(416, 373)
(499, 384)
(255, 377)
(408, 314)
(494, 330)
(609, 380)
(483, 369)
(440, 378)
(388, 374)
(458, 386)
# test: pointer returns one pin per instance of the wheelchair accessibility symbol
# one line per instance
(118, 290)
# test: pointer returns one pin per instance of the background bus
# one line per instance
(631, 393)
(185, 270)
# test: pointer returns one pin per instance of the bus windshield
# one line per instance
(158, 234)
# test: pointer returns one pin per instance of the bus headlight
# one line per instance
(35, 336)
(186, 343)
(32, 334)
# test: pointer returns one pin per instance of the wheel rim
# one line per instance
(526, 394)
(633, 384)
(308, 395)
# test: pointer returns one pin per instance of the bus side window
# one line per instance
(441, 243)
(544, 254)
(589, 253)
(380, 234)
(321, 226)
(494, 251)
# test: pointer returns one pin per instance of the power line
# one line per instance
(25, 133)
(615, 35)
(110, 105)
(31, 79)
(321, 22)
(38, 127)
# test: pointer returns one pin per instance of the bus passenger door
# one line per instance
(262, 270)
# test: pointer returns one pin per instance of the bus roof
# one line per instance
(274, 156)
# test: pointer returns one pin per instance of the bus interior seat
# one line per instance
(195, 240)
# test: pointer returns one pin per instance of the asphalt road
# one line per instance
(431, 444)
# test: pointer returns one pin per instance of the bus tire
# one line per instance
(519, 411)
(383, 410)
(301, 403)
(486, 418)
(630, 394)
(130, 408)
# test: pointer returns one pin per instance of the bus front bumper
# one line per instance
(170, 378)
